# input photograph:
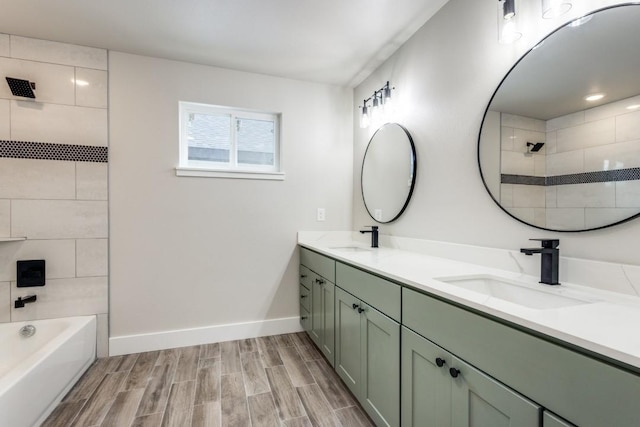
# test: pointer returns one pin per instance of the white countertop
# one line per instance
(609, 326)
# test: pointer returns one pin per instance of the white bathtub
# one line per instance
(36, 372)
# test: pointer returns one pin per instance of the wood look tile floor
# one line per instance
(280, 380)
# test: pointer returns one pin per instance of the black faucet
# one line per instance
(374, 235)
(20, 302)
(550, 255)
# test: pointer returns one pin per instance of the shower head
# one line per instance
(20, 87)
(534, 147)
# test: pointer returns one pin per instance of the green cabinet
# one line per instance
(440, 390)
(317, 274)
(549, 419)
(322, 316)
(368, 357)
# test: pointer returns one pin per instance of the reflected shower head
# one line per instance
(534, 147)
(20, 87)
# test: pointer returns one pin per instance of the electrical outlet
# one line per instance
(320, 215)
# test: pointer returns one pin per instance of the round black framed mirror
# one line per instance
(388, 173)
(559, 146)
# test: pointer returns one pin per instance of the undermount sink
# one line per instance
(350, 249)
(515, 292)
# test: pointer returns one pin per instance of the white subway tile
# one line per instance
(5, 119)
(551, 196)
(539, 165)
(62, 298)
(91, 88)
(517, 163)
(528, 196)
(551, 146)
(506, 138)
(590, 134)
(60, 257)
(562, 122)
(613, 156)
(592, 195)
(565, 218)
(5, 302)
(628, 127)
(91, 181)
(521, 122)
(628, 194)
(599, 217)
(102, 335)
(60, 124)
(58, 53)
(506, 195)
(56, 219)
(523, 214)
(54, 83)
(5, 45)
(37, 179)
(565, 163)
(539, 217)
(5, 218)
(92, 257)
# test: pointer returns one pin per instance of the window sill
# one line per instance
(215, 173)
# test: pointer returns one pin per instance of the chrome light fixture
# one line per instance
(381, 105)
(507, 22)
(553, 8)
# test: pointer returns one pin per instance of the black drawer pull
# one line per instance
(320, 281)
(454, 372)
(355, 306)
(440, 362)
(302, 276)
(304, 317)
(302, 296)
(360, 310)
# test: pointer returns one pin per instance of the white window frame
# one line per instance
(231, 169)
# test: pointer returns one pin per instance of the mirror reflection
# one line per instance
(388, 172)
(559, 146)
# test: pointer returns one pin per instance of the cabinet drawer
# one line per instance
(326, 267)
(306, 277)
(305, 298)
(583, 390)
(305, 319)
(375, 291)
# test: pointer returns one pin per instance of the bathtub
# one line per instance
(36, 372)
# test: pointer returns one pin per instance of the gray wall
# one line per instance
(445, 75)
(188, 252)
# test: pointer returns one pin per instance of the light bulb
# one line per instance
(507, 22)
(364, 118)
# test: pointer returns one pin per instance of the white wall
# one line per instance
(188, 252)
(445, 75)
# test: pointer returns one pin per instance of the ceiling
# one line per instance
(330, 41)
(599, 56)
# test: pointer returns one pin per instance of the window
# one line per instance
(227, 142)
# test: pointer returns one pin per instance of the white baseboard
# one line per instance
(208, 334)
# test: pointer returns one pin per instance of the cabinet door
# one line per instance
(317, 327)
(426, 386)
(348, 337)
(380, 367)
(328, 322)
(480, 401)
(549, 419)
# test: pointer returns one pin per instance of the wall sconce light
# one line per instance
(507, 22)
(381, 105)
(553, 8)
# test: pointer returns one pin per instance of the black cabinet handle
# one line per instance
(304, 317)
(354, 306)
(320, 281)
(454, 372)
(360, 310)
(440, 362)
(302, 296)
(302, 276)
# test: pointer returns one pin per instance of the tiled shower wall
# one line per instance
(55, 195)
(603, 138)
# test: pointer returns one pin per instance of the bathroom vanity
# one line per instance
(419, 345)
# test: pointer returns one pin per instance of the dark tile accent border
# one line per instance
(48, 151)
(629, 174)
